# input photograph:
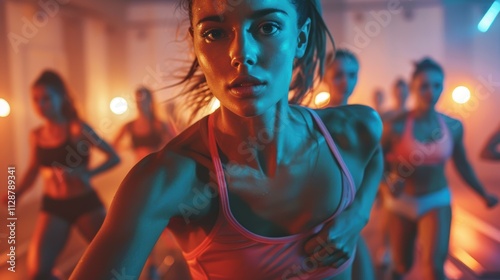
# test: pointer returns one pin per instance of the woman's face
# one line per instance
(342, 77)
(378, 99)
(401, 93)
(47, 102)
(427, 88)
(143, 102)
(247, 49)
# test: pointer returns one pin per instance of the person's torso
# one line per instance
(63, 159)
(419, 152)
(145, 136)
(261, 213)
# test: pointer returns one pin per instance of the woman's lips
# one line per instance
(247, 90)
(246, 86)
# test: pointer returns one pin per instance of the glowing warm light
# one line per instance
(461, 94)
(215, 105)
(118, 105)
(322, 99)
(489, 17)
(4, 108)
(168, 260)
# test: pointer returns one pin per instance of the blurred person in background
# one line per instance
(491, 151)
(341, 76)
(60, 151)
(418, 144)
(399, 95)
(378, 100)
(148, 134)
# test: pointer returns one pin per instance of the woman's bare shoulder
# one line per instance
(353, 127)
(193, 143)
(159, 182)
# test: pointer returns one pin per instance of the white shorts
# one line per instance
(414, 207)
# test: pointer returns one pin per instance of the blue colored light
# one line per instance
(489, 17)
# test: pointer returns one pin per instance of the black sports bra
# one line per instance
(153, 140)
(66, 154)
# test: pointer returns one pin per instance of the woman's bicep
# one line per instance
(459, 155)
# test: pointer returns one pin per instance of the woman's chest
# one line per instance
(297, 198)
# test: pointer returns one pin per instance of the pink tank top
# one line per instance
(416, 153)
(232, 252)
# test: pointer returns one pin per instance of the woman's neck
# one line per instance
(56, 121)
(425, 114)
(262, 142)
(146, 116)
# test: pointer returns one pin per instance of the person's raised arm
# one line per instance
(490, 151)
(465, 169)
(148, 197)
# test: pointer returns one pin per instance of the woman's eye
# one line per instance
(213, 34)
(269, 28)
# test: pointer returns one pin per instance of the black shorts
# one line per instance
(72, 208)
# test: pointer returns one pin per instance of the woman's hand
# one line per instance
(395, 184)
(491, 200)
(83, 173)
(336, 242)
(72, 175)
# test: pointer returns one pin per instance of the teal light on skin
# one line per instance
(489, 17)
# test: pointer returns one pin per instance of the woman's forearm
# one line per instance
(365, 196)
(27, 181)
(111, 162)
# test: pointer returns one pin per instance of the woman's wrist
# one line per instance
(355, 215)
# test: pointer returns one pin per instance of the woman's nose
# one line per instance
(243, 50)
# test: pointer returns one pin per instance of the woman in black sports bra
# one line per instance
(147, 133)
(60, 151)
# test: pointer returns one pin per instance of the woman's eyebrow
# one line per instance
(255, 15)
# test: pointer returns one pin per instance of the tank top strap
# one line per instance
(219, 170)
(348, 185)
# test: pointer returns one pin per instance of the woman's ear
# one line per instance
(303, 38)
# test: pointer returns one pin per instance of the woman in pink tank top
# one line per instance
(419, 143)
(259, 189)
